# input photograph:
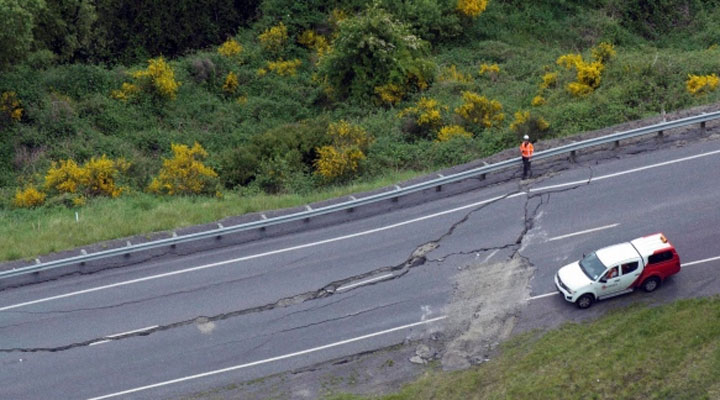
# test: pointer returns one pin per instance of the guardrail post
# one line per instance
(702, 128)
(438, 188)
(572, 156)
(661, 133)
(616, 144)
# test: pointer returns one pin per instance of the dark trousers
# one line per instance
(526, 168)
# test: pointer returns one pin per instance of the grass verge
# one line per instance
(28, 233)
(666, 352)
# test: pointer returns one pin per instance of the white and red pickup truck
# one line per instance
(611, 271)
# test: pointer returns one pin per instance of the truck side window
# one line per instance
(629, 267)
(660, 257)
(612, 273)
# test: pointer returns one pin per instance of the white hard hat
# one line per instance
(526, 137)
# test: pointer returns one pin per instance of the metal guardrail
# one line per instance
(481, 171)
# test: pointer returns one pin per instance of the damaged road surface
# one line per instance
(452, 277)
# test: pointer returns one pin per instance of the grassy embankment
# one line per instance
(69, 114)
(665, 352)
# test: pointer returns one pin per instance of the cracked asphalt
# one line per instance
(474, 259)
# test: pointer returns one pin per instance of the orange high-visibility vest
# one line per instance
(526, 148)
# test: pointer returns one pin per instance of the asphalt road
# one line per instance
(169, 328)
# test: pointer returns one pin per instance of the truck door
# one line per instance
(609, 281)
(629, 273)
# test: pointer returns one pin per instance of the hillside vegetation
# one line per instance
(146, 110)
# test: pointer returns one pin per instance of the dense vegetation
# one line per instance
(126, 100)
(667, 352)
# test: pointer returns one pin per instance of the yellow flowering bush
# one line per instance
(702, 84)
(549, 80)
(490, 70)
(29, 197)
(231, 83)
(284, 68)
(159, 78)
(569, 61)
(537, 101)
(478, 109)
(10, 107)
(274, 38)
(97, 177)
(452, 131)
(426, 112)
(185, 173)
(314, 41)
(342, 158)
(603, 52)
(451, 74)
(230, 48)
(472, 8)
(261, 72)
(527, 124)
(126, 92)
(390, 93)
(337, 16)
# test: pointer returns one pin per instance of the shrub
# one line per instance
(97, 177)
(472, 8)
(10, 109)
(28, 197)
(371, 50)
(603, 52)
(549, 80)
(284, 68)
(701, 84)
(527, 124)
(450, 132)
(491, 70)
(390, 93)
(537, 101)
(426, 114)
(184, 173)
(273, 39)
(478, 109)
(451, 74)
(588, 75)
(341, 159)
(158, 78)
(231, 83)
(126, 92)
(230, 48)
(315, 41)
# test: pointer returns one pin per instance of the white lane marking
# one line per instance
(491, 255)
(267, 360)
(371, 231)
(122, 334)
(250, 257)
(681, 265)
(365, 282)
(630, 171)
(131, 332)
(583, 232)
(540, 296)
(699, 261)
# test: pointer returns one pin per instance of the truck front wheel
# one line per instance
(585, 301)
(651, 284)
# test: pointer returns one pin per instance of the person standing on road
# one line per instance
(526, 150)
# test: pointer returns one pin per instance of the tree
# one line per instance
(372, 50)
(16, 29)
(65, 27)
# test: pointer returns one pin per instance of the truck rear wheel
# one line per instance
(651, 284)
(585, 301)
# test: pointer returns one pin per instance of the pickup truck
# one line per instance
(611, 271)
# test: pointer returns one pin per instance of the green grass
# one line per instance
(665, 352)
(29, 233)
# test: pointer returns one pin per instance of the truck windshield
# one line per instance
(592, 267)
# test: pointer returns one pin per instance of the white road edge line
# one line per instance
(540, 296)
(267, 360)
(490, 255)
(377, 278)
(288, 249)
(98, 342)
(250, 257)
(583, 232)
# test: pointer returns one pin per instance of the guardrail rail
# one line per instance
(569, 149)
